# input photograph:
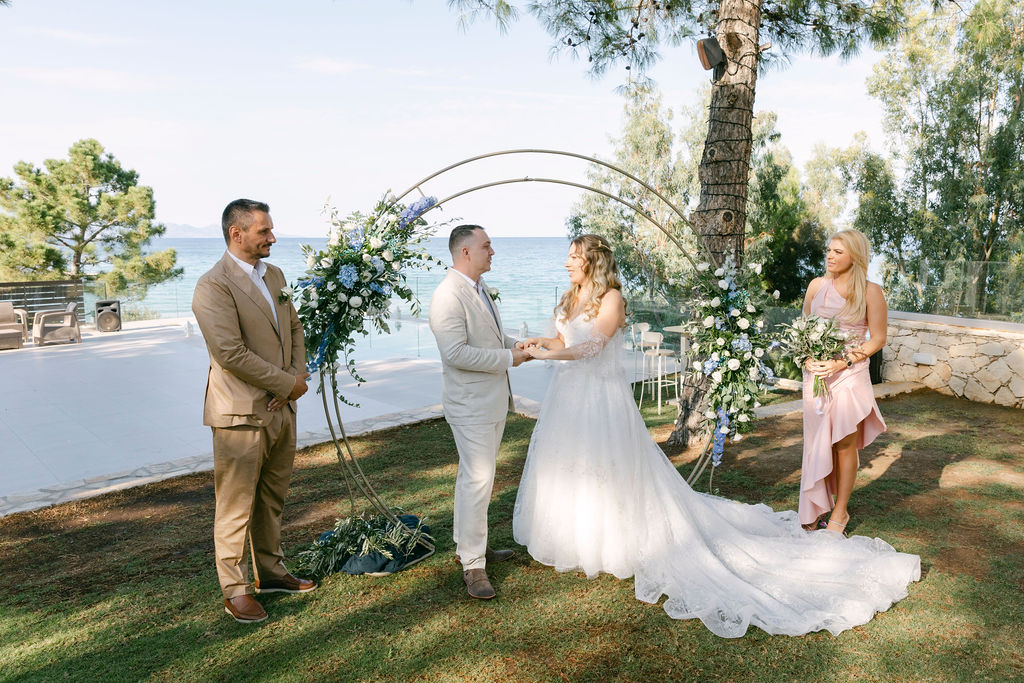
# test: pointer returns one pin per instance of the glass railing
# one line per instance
(963, 289)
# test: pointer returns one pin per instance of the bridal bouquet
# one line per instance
(728, 346)
(349, 285)
(816, 338)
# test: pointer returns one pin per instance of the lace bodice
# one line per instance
(593, 351)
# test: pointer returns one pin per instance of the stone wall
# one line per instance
(980, 360)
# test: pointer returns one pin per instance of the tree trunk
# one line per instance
(721, 216)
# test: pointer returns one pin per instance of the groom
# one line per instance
(475, 357)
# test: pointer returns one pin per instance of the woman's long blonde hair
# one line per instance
(600, 270)
(860, 253)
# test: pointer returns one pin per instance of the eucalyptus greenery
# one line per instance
(358, 536)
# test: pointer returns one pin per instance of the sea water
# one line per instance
(528, 272)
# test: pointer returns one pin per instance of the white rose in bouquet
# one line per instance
(395, 265)
(342, 297)
(775, 294)
(709, 321)
(723, 284)
(703, 267)
(735, 312)
(719, 272)
(388, 255)
(376, 243)
(750, 308)
(355, 302)
(758, 352)
(716, 357)
(716, 376)
(716, 302)
(743, 323)
(734, 364)
(310, 260)
(720, 341)
(366, 258)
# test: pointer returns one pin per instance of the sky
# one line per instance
(337, 101)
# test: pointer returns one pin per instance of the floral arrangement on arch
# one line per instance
(729, 343)
(348, 286)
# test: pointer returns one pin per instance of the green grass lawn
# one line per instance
(123, 587)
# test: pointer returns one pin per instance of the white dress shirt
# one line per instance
(256, 274)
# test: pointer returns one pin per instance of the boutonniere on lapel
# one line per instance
(286, 295)
(495, 294)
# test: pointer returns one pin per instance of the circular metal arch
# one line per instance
(575, 155)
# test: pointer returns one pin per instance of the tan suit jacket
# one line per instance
(250, 359)
(474, 359)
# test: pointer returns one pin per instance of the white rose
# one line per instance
(395, 265)
(757, 404)
(326, 263)
(702, 267)
(720, 341)
(758, 352)
(743, 418)
(719, 272)
(735, 312)
(716, 376)
(288, 292)
(388, 256)
(366, 258)
(709, 321)
(310, 260)
(738, 437)
(760, 324)
(750, 308)
(746, 356)
(756, 267)
(376, 243)
(775, 294)
(723, 284)
(355, 302)
(754, 373)
(743, 323)
(710, 415)
(716, 302)
(734, 364)
(342, 297)
(715, 357)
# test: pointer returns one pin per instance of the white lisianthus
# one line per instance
(760, 324)
(715, 357)
(395, 265)
(355, 302)
(709, 321)
(743, 418)
(723, 430)
(719, 272)
(746, 356)
(723, 284)
(738, 437)
(702, 267)
(288, 292)
(757, 404)
(746, 397)
(716, 376)
(756, 267)
(314, 302)
(365, 277)
(758, 352)
(743, 323)
(364, 291)
(342, 297)
(775, 294)
(720, 341)
(310, 260)
(366, 258)
(735, 312)
(734, 364)
(331, 286)
(716, 302)
(750, 308)
(376, 243)
(388, 255)
(334, 308)
(710, 415)
(326, 263)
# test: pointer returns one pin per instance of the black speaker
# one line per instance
(108, 316)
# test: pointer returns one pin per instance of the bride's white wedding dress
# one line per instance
(599, 495)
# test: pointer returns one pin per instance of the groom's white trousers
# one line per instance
(478, 455)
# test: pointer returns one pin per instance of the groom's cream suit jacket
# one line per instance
(474, 353)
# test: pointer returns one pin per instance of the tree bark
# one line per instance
(721, 216)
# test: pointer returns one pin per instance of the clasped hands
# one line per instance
(827, 368)
(533, 348)
(298, 390)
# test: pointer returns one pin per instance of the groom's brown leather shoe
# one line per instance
(245, 609)
(285, 584)
(478, 585)
(493, 556)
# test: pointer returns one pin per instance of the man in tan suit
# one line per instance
(475, 357)
(257, 370)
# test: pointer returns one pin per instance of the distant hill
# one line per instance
(177, 230)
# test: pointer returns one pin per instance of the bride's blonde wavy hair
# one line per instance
(600, 270)
(860, 254)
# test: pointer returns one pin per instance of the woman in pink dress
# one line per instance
(847, 420)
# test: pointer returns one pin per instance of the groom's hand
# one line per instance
(519, 356)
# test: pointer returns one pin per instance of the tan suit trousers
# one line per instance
(478, 446)
(251, 470)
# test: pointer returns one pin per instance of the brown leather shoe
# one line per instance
(492, 556)
(245, 609)
(478, 585)
(285, 584)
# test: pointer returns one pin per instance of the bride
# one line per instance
(598, 495)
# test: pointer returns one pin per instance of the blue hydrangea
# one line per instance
(316, 281)
(381, 289)
(413, 211)
(318, 358)
(710, 366)
(742, 343)
(378, 263)
(347, 275)
(355, 239)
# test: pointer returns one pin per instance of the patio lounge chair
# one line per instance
(12, 318)
(56, 326)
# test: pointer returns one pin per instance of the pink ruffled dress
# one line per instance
(851, 408)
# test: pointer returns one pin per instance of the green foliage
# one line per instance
(78, 215)
(957, 130)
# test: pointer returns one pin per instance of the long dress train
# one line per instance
(599, 495)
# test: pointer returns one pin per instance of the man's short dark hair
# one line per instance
(239, 212)
(459, 235)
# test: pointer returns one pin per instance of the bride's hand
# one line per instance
(537, 352)
(532, 341)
